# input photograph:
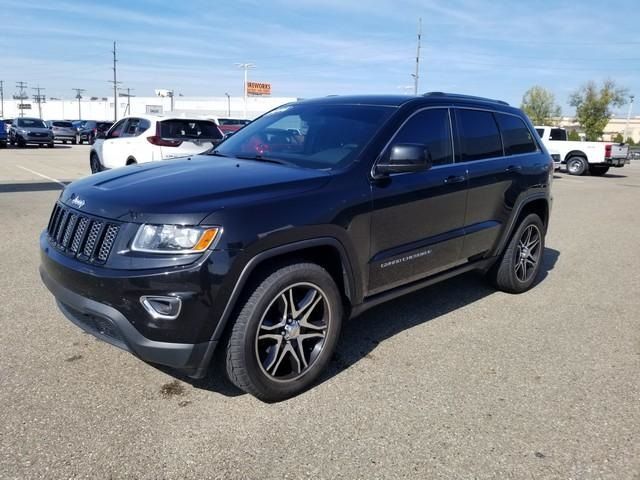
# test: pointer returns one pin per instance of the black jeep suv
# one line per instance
(309, 215)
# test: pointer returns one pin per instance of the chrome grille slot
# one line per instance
(84, 237)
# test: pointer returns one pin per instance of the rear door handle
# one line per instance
(514, 168)
(455, 179)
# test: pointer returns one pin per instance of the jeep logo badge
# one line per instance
(77, 202)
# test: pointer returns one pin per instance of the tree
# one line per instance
(630, 141)
(573, 136)
(593, 106)
(540, 105)
(618, 138)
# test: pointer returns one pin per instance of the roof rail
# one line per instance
(463, 97)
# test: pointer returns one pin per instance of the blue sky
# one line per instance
(319, 47)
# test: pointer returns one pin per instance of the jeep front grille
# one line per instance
(87, 238)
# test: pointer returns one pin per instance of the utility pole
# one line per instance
(246, 67)
(79, 92)
(626, 128)
(39, 99)
(416, 76)
(228, 104)
(128, 95)
(115, 84)
(1, 98)
(21, 96)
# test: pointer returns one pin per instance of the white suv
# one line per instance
(148, 138)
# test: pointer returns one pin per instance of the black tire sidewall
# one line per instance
(531, 219)
(272, 390)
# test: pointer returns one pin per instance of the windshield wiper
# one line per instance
(217, 153)
(260, 158)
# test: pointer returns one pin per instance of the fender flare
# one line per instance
(575, 153)
(511, 226)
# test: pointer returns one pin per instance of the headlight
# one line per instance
(174, 238)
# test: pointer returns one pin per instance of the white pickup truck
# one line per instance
(582, 157)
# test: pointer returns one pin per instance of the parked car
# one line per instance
(3, 135)
(265, 245)
(7, 124)
(30, 131)
(582, 157)
(151, 138)
(231, 125)
(90, 129)
(63, 131)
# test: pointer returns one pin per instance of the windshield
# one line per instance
(31, 123)
(309, 135)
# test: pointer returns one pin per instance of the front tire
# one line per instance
(21, 143)
(286, 332)
(577, 166)
(519, 265)
(94, 163)
(598, 170)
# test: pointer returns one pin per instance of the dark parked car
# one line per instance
(30, 131)
(63, 131)
(3, 135)
(312, 214)
(90, 129)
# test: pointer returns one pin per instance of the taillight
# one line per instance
(163, 142)
(607, 151)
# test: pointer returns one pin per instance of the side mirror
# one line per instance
(101, 135)
(405, 158)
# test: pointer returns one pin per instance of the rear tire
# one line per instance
(51, 145)
(577, 166)
(286, 332)
(519, 265)
(74, 141)
(598, 170)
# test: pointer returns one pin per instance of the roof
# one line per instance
(398, 100)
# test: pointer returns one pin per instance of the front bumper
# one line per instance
(38, 140)
(108, 324)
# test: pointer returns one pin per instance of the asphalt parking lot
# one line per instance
(454, 381)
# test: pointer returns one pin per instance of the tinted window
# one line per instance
(189, 129)
(479, 136)
(558, 134)
(136, 126)
(116, 131)
(516, 137)
(62, 124)
(312, 135)
(432, 129)
(103, 126)
(30, 123)
(540, 132)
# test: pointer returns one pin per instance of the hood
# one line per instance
(186, 190)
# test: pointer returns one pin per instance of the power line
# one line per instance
(39, 99)
(21, 96)
(2, 98)
(79, 92)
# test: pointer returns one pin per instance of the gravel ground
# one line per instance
(454, 381)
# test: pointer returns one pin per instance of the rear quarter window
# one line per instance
(189, 129)
(558, 134)
(516, 137)
(478, 135)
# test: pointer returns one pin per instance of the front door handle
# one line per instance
(455, 179)
(514, 168)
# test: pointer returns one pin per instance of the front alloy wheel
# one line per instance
(285, 333)
(292, 331)
(527, 253)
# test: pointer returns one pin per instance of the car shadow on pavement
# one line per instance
(614, 175)
(30, 187)
(363, 334)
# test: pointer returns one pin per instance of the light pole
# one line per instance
(626, 128)
(245, 67)
(228, 104)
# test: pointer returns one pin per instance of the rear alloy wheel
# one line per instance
(598, 170)
(285, 333)
(577, 165)
(517, 269)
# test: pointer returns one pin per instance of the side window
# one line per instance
(516, 137)
(479, 136)
(558, 134)
(116, 130)
(131, 128)
(143, 126)
(540, 132)
(430, 128)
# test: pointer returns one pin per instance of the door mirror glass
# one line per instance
(405, 158)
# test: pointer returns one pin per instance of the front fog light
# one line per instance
(162, 308)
